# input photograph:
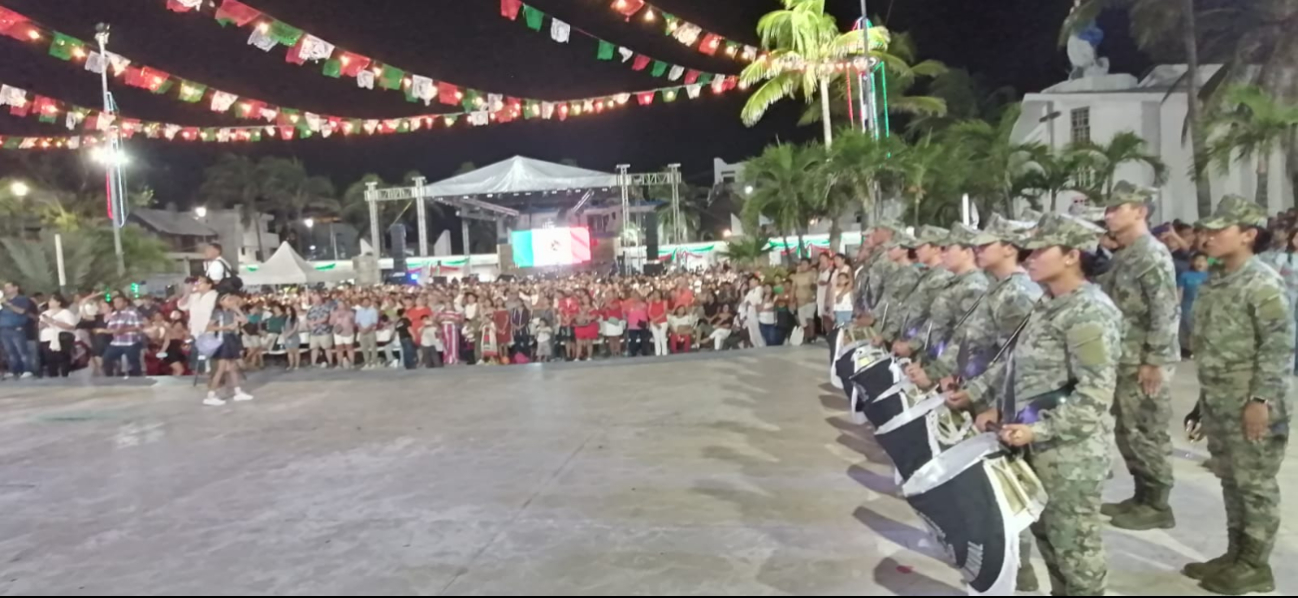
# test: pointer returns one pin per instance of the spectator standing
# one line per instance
(57, 342)
(450, 321)
(322, 334)
(430, 344)
(683, 296)
(843, 300)
(406, 337)
(127, 328)
(804, 296)
(367, 324)
(586, 328)
(291, 338)
(17, 312)
(612, 324)
(343, 321)
(520, 317)
(214, 266)
(173, 345)
(824, 286)
(767, 318)
(1188, 284)
(489, 341)
(637, 321)
(1285, 261)
(750, 309)
(658, 324)
(544, 333)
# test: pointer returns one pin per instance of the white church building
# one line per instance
(1097, 105)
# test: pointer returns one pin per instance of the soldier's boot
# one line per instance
(1248, 574)
(1027, 578)
(1202, 570)
(1153, 513)
(1114, 509)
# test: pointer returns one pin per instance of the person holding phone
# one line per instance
(16, 313)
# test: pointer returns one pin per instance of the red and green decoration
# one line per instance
(685, 32)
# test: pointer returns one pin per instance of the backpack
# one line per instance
(231, 283)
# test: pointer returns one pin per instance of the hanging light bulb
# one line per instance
(649, 14)
(264, 27)
(33, 34)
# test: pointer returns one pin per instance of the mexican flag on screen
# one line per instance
(551, 247)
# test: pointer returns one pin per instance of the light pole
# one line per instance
(115, 185)
(310, 228)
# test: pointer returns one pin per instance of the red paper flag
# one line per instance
(146, 78)
(448, 94)
(234, 11)
(178, 6)
(189, 133)
(250, 109)
(287, 131)
(21, 111)
(710, 44)
(628, 7)
(645, 98)
(563, 112)
(129, 127)
(641, 62)
(509, 8)
(731, 83)
(692, 77)
(13, 24)
(353, 64)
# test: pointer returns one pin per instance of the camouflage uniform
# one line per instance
(1142, 283)
(917, 303)
(962, 293)
(1244, 346)
(1007, 304)
(874, 274)
(1071, 342)
(890, 301)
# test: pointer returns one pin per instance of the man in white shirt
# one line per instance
(215, 267)
(199, 302)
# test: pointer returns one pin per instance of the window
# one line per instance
(1081, 124)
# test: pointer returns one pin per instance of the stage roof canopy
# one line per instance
(521, 175)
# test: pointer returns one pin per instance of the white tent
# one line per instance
(287, 267)
(522, 175)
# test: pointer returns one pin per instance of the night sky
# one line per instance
(1010, 42)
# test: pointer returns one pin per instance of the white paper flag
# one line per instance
(313, 121)
(12, 96)
(190, 4)
(423, 88)
(221, 101)
(750, 53)
(261, 40)
(676, 72)
(27, 143)
(95, 63)
(315, 49)
(326, 132)
(694, 90)
(73, 119)
(688, 33)
(627, 53)
(170, 131)
(560, 31)
(105, 121)
(371, 126)
(495, 102)
(269, 114)
(547, 110)
(74, 142)
(479, 118)
(365, 79)
(588, 106)
(223, 135)
(622, 98)
(270, 130)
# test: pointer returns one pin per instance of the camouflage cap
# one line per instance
(1125, 193)
(902, 238)
(1088, 212)
(888, 224)
(1065, 231)
(1235, 210)
(931, 235)
(1000, 229)
(1031, 216)
(960, 234)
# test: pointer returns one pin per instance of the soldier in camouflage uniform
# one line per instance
(875, 270)
(919, 300)
(1142, 283)
(1069, 348)
(963, 292)
(1244, 346)
(903, 275)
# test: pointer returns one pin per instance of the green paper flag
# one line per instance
(404, 127)
(391, 77)
(13, 142)
(64, 46)
(256, 136)
(669, 95)
(535, 18)
(705, 78)
(451, 119)
(165, 87)
(304, 132)
(532, 110)
(192, 92)
(49, 117)
(333, 68)
(470, 99)
(209, 134)
(660, 68)
(606, 50)
(669, 21)
(284, 33)
(410, 94)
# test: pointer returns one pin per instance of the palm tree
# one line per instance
(966, 97)
(235, 181)
(902, 77)
(1250, 125)
(749, 249)
(860, 165)
(1102, 162)
(292, 191)
(783, 182)
(1048, 173)
(90, 263)
(804, 43)
(997, 160)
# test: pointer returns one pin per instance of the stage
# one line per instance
(714, 474)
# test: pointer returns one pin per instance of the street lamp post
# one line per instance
(116, 188)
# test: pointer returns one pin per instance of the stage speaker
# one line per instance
(651, 236)
(397, 237)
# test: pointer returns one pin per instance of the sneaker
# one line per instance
(26, 376)
(240, 397)
(213, 401)
(323, 366)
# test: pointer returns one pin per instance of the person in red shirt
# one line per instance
(568, 308)
(637, 322)
(683, 296)
(586, 328)
(418, 313)
(658, 310)
(612, 324)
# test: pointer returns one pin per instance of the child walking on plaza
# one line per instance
(227, 322)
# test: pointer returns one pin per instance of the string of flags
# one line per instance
(274, 121)
(685, 32)
(561, 32)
